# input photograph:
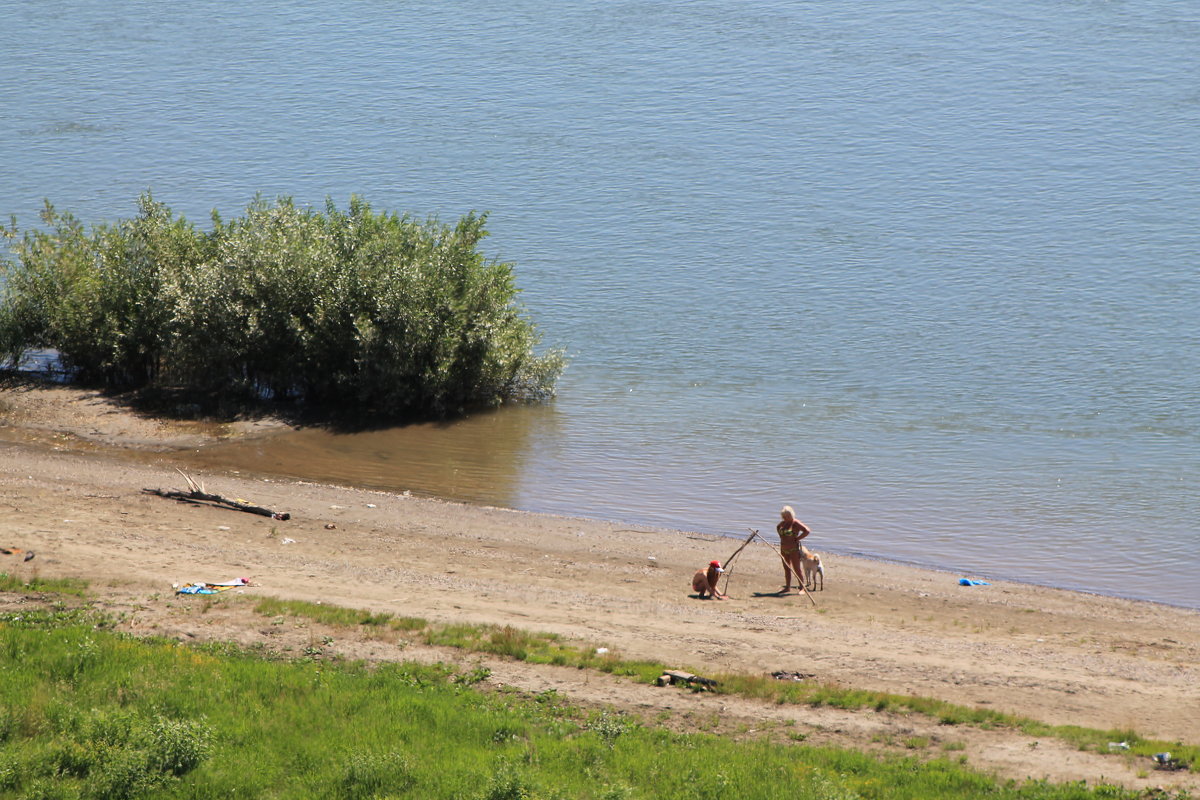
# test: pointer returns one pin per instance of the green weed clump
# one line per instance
(339, 616)
(36, 585)
(539, 648)
(361, 314)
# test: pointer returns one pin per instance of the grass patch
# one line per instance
(35, 585)
(538, 648)
(550, 648)
(87, 713)
(815, 694)
(339, 616)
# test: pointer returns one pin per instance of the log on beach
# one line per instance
(196, 496)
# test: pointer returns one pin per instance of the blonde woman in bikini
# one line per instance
(791, 531)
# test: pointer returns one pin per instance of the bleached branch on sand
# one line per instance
(197, 494)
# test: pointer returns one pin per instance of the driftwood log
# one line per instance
(197, 494)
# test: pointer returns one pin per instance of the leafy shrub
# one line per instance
(508, 784)
(343, 310)
(177, 746)
(608, 726)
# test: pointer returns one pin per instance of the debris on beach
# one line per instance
(196, 494)
(676, 677)
(1165, 762)
(210, 587)
(970, 582)
(16, 551)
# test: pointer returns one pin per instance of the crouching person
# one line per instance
(704, 582)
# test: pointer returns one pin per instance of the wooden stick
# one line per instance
(729, 560)
(196, 495)
(193, 486)
(753, 533)
(790, 569)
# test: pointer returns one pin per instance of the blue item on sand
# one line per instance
(195, 588)
(969, 582)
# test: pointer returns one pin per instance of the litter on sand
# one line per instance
(675, 677)
(210, 587)
(16, 551)
(969, 582)
(1165, 762)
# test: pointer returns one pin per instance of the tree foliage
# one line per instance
(373, 313)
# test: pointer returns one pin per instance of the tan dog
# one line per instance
(704, 582)
(811, 562)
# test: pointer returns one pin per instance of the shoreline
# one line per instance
(1060, 656)
(268, 430)
(1004, 567)
(61, 412)
(734, 539)
(54, 409)
(929, 567)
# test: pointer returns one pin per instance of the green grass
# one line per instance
(36, 585)
(88, 713)
(548, 648)
(339, 616)
(539, 648)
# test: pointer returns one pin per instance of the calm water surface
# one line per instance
(928, 272)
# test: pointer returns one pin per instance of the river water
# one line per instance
(927, 271)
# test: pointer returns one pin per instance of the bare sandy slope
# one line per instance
(1060, 657)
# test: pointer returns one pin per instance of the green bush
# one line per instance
(369, 313)
(177, 746)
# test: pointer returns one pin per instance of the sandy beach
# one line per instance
(74, 464)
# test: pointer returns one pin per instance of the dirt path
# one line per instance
(1060, 657)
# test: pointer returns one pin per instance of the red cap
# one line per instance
(714, 563)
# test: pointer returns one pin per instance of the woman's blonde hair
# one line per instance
(787, 511)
